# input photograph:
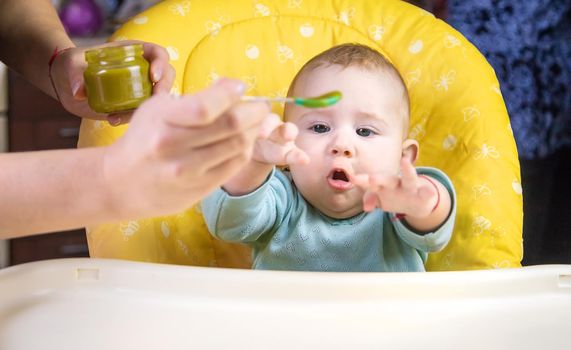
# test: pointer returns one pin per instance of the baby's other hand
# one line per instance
(409, 194)
(276, 143)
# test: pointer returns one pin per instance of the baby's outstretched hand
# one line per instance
(409, 194)
(276, 143)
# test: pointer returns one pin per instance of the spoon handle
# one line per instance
(267, 99)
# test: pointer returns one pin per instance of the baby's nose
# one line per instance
(342, 150)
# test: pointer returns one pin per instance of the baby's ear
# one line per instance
(410, 150)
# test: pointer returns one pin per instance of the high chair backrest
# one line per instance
(457, 113)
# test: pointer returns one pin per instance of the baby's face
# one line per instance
(362, 133)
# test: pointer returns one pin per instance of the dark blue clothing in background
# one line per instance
(529, 45)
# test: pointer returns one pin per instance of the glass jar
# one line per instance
(116, 78)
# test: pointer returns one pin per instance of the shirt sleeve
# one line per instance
(246, 218)
(438, 239)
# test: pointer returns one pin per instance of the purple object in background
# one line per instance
(81, 17)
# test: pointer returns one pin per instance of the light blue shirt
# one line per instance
(287, 233)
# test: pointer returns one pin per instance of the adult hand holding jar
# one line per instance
(34, 43)
(67, 68)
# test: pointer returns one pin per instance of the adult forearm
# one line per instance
(30, 30)
(52, 190)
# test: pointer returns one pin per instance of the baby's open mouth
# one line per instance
(340, 175)
(339, 179)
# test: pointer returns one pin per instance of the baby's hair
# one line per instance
(355, 55)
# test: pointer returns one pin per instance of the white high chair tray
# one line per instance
(108, 304)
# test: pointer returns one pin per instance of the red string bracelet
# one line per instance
(50, 63)
(399, 216)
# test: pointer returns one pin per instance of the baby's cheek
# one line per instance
(381, 163)
(391, 155)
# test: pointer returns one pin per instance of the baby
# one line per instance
(350, 199)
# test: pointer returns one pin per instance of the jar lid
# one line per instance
(113, 52)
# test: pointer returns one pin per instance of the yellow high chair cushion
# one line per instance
(458, 114)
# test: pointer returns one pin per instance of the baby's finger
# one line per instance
(286, 132)
(360, 180)
(271, 122)
(370, 201)
(408, 175)
(297, 156)
(377, 181)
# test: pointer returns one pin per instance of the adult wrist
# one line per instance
(115, 202)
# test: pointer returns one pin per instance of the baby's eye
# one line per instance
(320, 128)
(365, 132)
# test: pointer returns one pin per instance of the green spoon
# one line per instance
(326, 100)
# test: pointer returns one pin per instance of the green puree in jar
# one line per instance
(117, 78)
